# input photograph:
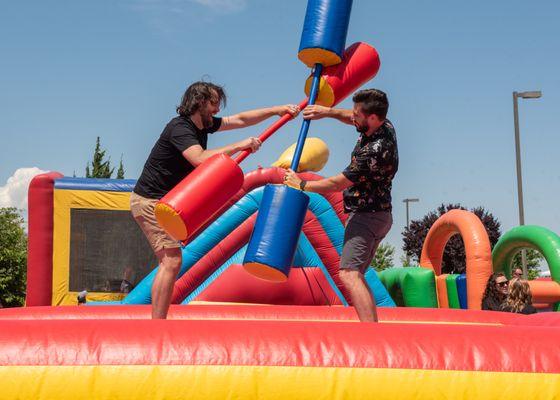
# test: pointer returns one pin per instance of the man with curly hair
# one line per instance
(180, 148)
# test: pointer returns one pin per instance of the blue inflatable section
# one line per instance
(382, 296)
(106, 185)
(461, 282)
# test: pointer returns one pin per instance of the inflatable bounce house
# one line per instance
(258, 310)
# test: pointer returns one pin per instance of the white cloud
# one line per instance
(14, 192)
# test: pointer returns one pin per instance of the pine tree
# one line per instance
(383, 257)
(100, 168)
(120, 171)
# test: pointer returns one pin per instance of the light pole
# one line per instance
(408, 221)
(524, 95)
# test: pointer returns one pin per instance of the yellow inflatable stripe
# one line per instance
(256, 382)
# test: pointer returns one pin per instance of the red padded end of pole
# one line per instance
(359, 64)
(205, 190)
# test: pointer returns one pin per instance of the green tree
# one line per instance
(100, 168)
(383, 257)
(534, 259)
(13, 258)
(454, 253)
(120, 171)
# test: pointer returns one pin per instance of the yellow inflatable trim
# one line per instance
(266, 382)
(314, 156)
(170, 221)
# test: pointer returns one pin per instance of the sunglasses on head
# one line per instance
(502, 284)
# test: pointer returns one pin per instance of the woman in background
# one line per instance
(495, 293)
(519, 299)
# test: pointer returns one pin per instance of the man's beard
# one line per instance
(207, 120)
(362, 128)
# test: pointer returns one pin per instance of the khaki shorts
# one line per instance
(142, 210)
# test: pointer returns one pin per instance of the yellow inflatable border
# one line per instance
(267, 382)
(64, 201)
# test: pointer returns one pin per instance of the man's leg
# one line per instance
(162, 288)
(361, 296)
(363, 233)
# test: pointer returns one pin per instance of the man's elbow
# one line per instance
(195, 161)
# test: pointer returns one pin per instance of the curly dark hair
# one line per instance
(197, 94)
(491, 291)
(373, 101)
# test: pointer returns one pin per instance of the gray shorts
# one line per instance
(364, 231)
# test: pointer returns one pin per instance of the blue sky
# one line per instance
(74, 70)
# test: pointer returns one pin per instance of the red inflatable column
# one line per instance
(40, 239)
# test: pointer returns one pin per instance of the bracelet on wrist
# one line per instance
(302, 185)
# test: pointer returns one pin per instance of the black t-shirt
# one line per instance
(166, 166)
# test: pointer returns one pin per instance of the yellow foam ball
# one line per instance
(314, 156)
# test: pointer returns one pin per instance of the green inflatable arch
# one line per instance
(534, 237)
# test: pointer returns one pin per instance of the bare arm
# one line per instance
(196, 155)
(332, 184)
(252, 117)
(318, 112)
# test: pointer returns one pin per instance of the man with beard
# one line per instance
(367, 185)
(180, 148)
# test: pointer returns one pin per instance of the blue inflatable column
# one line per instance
(323, 38)
(274, 239)
(462, 290)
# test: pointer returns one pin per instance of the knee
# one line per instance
(171, 260)
(348, 276)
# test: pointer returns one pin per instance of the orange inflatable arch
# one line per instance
(477, 250)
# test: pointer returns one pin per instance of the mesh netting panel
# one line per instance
(108, 251)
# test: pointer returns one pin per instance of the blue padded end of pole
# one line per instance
(325, 27)
(277, 228)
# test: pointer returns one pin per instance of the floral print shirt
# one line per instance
(375, 161)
